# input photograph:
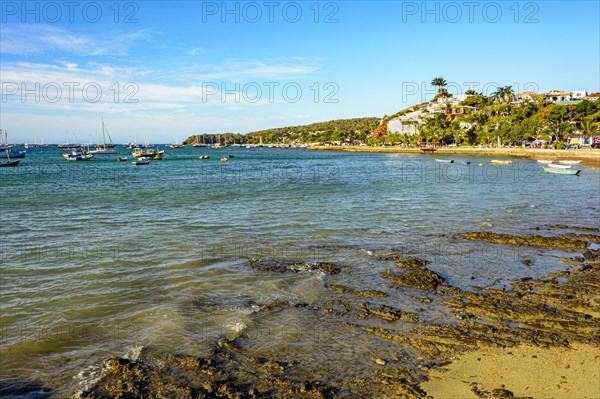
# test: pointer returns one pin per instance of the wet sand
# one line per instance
(588, 156)
(526, 371)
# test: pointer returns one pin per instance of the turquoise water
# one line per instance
(102, 258)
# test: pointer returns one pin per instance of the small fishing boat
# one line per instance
(544, 161)
(570, 162)
(13, 154)
(224, 159)
(204, 157)
(78, 157)
(9, 151)
(562, 171)
(444, 160)
(559, 166)
(501, 162)
(122, 159)
(10, 164)
(138, 163)
(231, 156)
(150, 153)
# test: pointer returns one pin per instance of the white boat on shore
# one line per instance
(559, 166)
(544, 161)
(570, 162)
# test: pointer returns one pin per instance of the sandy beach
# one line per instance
(526, 371)
(588, 156)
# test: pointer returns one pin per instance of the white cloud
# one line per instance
(36, 39)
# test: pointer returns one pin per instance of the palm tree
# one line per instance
(588, 127)
(503, 94)
(443, 93)
(439, 82)
(471, 92)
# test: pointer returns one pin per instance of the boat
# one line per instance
(122, 159)
(67, 145)
(204, 157)
(138, 163)
(444, 160)
(9, 151)
(501, 162)
(569, 162)
(13, 154)
(149, 153)
(105, 148)
(77, 157)
(562, 171)
(231, 156)
(175, 145)
(224, 159)
(544, 161)
(10, 163)
(465, 162)
(559, 166)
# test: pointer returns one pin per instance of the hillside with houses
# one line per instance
(553, 119)
(556, 119)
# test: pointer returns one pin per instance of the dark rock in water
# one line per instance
(527, 262)
(563, 227)
(388, 256)
(412, 262)
(347, 290)
(419, 278)
(576, 260)
(226, 374)
(528, 240)
(280, 266)
(592, 255)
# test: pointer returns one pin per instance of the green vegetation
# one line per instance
(220, 138)
(499, 117)
(477, 120)
(342, 130)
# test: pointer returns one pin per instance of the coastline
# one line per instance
(537, 338)
(588, 156)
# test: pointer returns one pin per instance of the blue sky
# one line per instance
(161, 71)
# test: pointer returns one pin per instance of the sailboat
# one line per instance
(9, 151)
(68, 146)
(105, 148)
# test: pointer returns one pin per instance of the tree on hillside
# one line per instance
(439, 83)
(471, 92)
(588, 127)
(504, 94)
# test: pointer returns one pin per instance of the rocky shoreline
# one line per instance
(588, 156)
(556, 312)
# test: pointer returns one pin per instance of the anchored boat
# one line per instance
(149, 153)
(562, 171)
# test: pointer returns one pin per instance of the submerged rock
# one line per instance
(419, 278)
(282, 266)
(347, 290)
(226, 374)
(412, 262)
(528, 240)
